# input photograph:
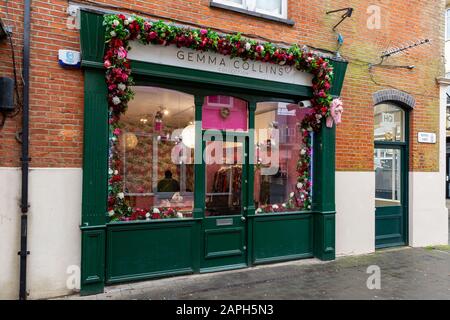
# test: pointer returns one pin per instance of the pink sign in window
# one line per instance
(225, 113)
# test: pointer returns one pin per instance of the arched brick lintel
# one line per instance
(396, 96)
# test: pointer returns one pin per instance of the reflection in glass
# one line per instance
(277, 151)
(389, 123)
(269, 6)
(223, 178)
(387, 164)
(157, 167)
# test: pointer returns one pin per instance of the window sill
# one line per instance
(289, 22)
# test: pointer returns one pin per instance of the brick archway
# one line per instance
(396, 96)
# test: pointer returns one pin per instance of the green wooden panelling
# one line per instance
(389, 227)
(95, 155)
(324, 236)
(223, 245)
(324, 159)
(224, 242)
(251, 176)
(340, 68)
(147, 250)
(282, 237)
(95, 179)
(92, 38)
(93, 261)
(324, 166)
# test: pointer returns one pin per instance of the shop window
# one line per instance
(276, 8)
(389, 123)
(278, 147)
(224, 163)
(157, 153)
(223, 118)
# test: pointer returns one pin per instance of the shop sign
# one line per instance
(214, 62)
(427, 137)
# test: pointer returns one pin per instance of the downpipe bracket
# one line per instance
(22, 254)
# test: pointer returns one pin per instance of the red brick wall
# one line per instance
(56, 96)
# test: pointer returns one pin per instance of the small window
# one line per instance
(276, 8)
(447, 24)
(389, 123)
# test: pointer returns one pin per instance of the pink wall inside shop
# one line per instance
(212, 118)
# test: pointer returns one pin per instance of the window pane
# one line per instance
(448, 25)
(224, 113)
(223, 177)
(387, 177)
(270, 6)
(389, 123)
(156, 152)
(278, 147)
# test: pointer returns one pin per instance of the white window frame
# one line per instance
(246, 3)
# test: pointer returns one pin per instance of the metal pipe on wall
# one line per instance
(25, 151)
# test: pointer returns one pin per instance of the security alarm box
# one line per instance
(69, 58)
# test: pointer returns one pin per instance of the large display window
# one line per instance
(155, 156)
(278, 147)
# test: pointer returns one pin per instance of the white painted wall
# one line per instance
(428, 215)
(355, 213)
(54, 237)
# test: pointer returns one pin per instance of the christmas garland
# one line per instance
(120, 30)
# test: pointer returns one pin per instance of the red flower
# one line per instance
(107, 64)
(116, 178)
(156, 216)
(121, 16)
(152, 35)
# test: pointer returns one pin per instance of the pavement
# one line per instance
(405, 273)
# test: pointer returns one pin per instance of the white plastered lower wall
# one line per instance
(355, 213)
(428, 215)
(54, 237)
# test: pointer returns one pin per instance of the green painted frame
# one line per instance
(404, 181)
(94, 226)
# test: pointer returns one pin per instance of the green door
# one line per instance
(226, 182)
(389, 197)
(391, 175)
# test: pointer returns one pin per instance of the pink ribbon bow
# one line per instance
(336, 109)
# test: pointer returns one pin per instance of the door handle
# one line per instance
(243, 219)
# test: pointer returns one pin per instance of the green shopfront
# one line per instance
(202, 172)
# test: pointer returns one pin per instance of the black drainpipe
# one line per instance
(25, 151)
